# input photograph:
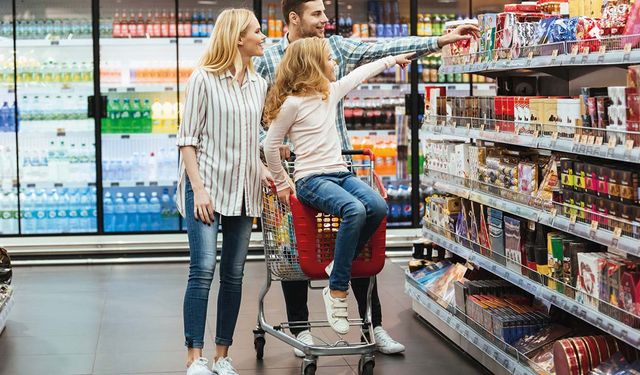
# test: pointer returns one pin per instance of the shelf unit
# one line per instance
(560, 70)
(602, 236)
(5, 309)
(586, 313)
(454, 328)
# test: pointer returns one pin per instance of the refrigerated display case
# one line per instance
(56, 138)
(8, 125)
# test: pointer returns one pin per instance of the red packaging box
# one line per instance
(497, 108)
(633, 114)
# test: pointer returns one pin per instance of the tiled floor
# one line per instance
(128, 319)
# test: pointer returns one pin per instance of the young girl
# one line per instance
(220, 175)
(302, 106)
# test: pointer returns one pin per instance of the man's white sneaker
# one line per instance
(337, 314)
(199, 367)
(385, 344)
(223, 367)
(305, 337)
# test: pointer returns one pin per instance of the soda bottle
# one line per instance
(186, 24)
(195, 25)
(146, 117)
(125, 117)
(172, 24)
(113, 116)
(202, 23)
(141, 25)
(437, 26)
(210, 23)
(168, 118)
(136, 117)
(156, 116)
(117, 25)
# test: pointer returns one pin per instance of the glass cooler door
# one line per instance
(56, 138)
(8, 149)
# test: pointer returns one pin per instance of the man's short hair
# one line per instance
(289, 6)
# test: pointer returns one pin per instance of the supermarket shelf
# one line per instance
(137, 135)
(552, 61)
(618, 153)
(602, 236)
(384, 86)
(594, 317)
(51, 185)
(5, 310)
(362, 133)
(130, 184)
(462, 334)
(104, 42)
(140, 88)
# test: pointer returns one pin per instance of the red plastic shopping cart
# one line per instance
(299, 243)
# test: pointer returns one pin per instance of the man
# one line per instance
(307, 18)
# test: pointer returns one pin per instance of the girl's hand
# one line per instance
(266, 177)
(283, 196)
(202, 206)
(404, 59)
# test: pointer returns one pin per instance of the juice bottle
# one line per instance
(164, 24)
(172, 24)
(157, 32)
(117, 25)
(168, 117)
(367, 143)
(125, 116)
(392, 158)
(136, 116)
(146, 117)
(156, 116)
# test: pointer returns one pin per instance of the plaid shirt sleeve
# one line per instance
(357, 52)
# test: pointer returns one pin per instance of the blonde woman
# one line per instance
(302, 106)
(220, 178)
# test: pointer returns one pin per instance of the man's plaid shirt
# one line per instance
(349, 54)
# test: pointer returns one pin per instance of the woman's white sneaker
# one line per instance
(223, 367)
(305, 337)
(385, 344)
(337, 313)
(199, 367)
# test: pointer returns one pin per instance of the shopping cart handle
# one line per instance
(365, 151)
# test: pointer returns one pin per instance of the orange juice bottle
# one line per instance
(392, 158)
(367, 143)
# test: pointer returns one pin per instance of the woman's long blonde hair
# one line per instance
(301, 72)
(222, 51)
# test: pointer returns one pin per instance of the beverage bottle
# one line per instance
(392, 158)
(155, 209)
(109, 213)
(84, 210)
(136, 117)
(152, 167)
(195, 25)
(63, 210)
(348, 26)
(156, 116)
(341, 26)
(146, 117)
(172, 24)
(125, 116)
(5, 213)
(210, 22)
(120, 213)
(169, 118)
(180, 24)
(4, 117)
(93, 209)
(405, 201)
(141, 25)
(41, 213)
(164, 24)
(156, 26)
(143, 212)
(148, 25)
(28, 211)
(51, 203)
(115, 117)
(187, 24)
(165, 212)
(132, 213)
(202, 23)
(12, 207)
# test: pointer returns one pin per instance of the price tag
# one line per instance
(572, 219)
(554, 55)
(554, 212)
(554, 135)
(603, 49)
(482, 127)
(594, 227)
(574, 50)
(599, 141)
(468, 125)
(628, 145)
(536, 134)
(585, 51)
(627, 52)
(617, 232)
(584, 139)
(591, 140)
(576, 138)
(612, 142)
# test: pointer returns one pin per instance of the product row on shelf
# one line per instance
(508, 325)
(528, 30)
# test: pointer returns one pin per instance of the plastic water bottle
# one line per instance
(131, 210)
(165, 211)
(144, 219)
(120, 211)
(74, 209)
(5, 213)
(28, 211)
(154, 210)
(152, 170)
(85, 211)
(62, 213)
(93, 209)
(4, 117)
(109, 213)
(40, 213)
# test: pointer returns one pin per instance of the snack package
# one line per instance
(633, 25)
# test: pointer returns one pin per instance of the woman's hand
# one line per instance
(283, 196)
(266, 177)
(202, 206)
(285, 152)
(404, 59)
(462, 32)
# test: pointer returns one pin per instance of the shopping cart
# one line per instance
(298, 244)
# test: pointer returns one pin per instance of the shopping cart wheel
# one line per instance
(366, 365)
(309, 366)
(258, 343)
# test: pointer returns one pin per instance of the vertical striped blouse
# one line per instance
(222, 120)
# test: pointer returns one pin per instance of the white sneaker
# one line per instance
(305, 337)
(337, 314)
(199, 367)
(223, 367)
(385, 344)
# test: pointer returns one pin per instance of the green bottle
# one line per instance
(146, 116)
(125, 117)
(113, 111)
(136, 117)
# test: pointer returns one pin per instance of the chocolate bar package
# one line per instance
(513, 244)
(496, 234)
